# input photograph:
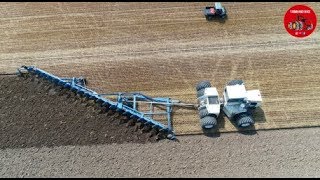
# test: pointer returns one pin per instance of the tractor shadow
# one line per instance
(219, 20)
(212, 133)
(258, 115)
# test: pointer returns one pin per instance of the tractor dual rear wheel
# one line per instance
(208, 122)
(235, 82)
(203, 112)
(200, 93)
(244, 120)
(203, 85)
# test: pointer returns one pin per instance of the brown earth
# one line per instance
(164, 49)
(276, 153)
(32, 115)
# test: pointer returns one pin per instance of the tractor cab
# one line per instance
(234, 94)
(237, 94)
(211, 101)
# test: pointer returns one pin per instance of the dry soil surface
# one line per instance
(161, 49)
(165, 48)
(274, 153)
(44, 134)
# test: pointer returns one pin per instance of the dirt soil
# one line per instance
(276, 153)
(165, 48)
(161, 49)
(32, 115)
(45, 134)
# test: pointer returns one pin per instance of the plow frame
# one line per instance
(78, 86)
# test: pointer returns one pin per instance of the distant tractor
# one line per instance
(237, 103)
(215, 12)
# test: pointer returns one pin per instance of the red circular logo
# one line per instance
(300, 21)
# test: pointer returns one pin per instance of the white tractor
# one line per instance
(209, 104)
(237, 103)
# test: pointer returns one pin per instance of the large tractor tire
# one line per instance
(200, 93)
(244, 120)
(235, 82)
(203, 85)
(203, 112)
(208, 122)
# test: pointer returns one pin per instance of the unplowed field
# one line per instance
(165, 48)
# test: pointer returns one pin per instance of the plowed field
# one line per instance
(165, 48)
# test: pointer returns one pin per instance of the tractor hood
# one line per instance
(236, 91)
(254, 96)
(214, 109)
(211, 91)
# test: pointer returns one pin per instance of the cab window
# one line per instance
(235, 100)
(213, 100)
